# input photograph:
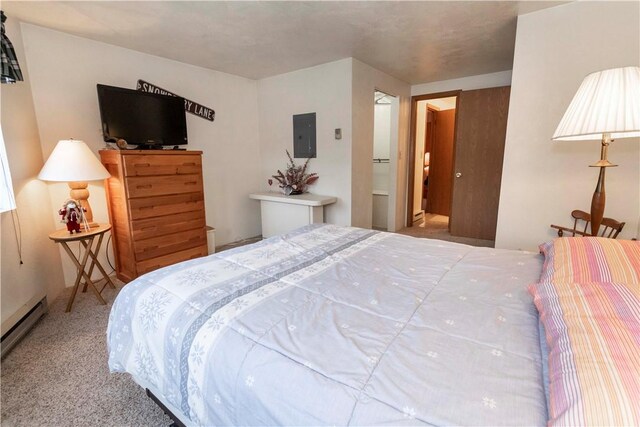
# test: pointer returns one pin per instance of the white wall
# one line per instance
(398, 175)
(366, 80)
(64, 72)
(381, 131)
(381, 146)
(543, 181)
(41, 273)
(481, 81)
(341, 95)
(326, 91)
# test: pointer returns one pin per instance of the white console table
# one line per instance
(282, 213)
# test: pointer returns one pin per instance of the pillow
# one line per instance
(592, 329)
(591, 259)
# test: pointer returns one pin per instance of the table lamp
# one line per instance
(74, 162)
(606, 107)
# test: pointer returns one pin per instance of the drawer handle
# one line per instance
(144, 186)
(189, 164)
(148, 228)
(146, 165)
(190, 183)
(150, 248)
(146, 207)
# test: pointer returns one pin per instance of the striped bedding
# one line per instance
(589, 303)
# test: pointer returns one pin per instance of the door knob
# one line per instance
(458, 174)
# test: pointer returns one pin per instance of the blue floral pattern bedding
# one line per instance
(334, 325)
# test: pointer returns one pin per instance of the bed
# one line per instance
(333, 325)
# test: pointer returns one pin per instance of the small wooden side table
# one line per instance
(86, 239)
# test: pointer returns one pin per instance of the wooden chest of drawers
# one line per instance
(156, 207)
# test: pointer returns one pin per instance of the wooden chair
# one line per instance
(609, 227)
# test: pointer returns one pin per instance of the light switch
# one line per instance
(338, 133)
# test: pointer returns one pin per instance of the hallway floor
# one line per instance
(435, 222)
(436, 227)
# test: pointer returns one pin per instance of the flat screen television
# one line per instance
(144, 119)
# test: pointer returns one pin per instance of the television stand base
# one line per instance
(149, 147)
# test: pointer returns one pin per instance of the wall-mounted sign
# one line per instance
(189, 106)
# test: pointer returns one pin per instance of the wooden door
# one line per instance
(441, 163)
(479, 151)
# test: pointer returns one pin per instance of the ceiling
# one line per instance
(416, 42)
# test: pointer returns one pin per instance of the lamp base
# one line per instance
(597, 203)
(78, 191)
(599, 196)
(603, 164)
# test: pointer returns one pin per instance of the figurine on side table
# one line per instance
(72, 214)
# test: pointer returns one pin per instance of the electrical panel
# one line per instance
(304, 135)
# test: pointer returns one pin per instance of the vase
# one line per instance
(289, 191)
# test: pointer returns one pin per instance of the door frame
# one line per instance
(411, 158)
(394, 128)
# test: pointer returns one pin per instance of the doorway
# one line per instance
(479, 130)
(385, 106)
(433, 137)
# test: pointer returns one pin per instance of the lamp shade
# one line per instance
(72, 160)
(606, 102)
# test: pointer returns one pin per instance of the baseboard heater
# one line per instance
(418, 218)
(22, 327)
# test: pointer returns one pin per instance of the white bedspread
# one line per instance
(333, 326)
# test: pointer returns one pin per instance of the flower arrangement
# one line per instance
(295, 179)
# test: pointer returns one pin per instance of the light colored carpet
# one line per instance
(434, 223)
(58, 374)
(436, 227)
